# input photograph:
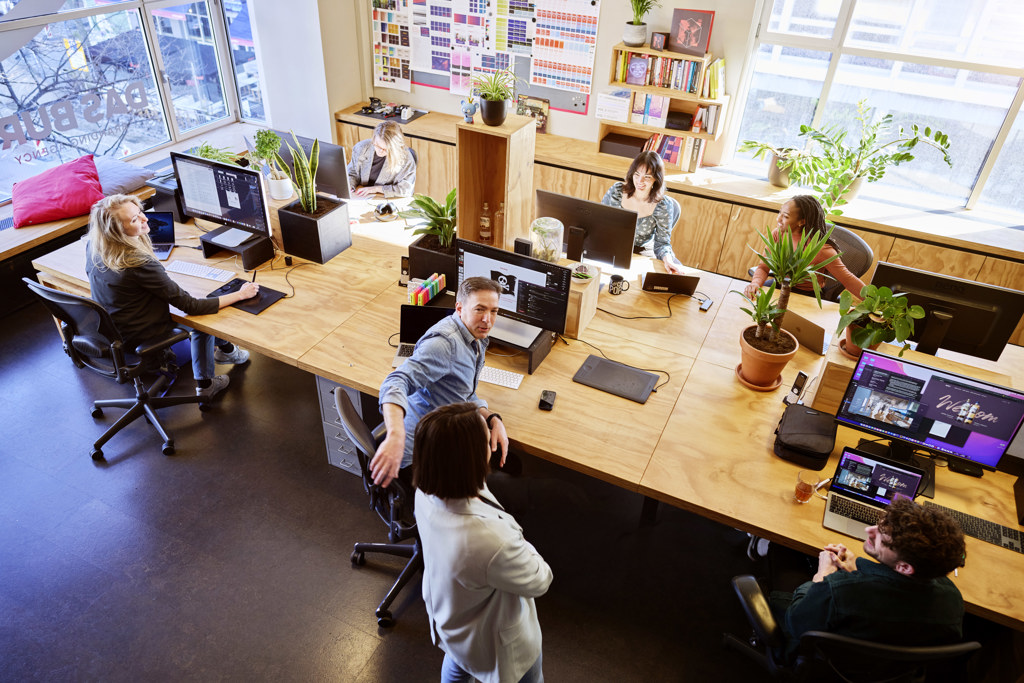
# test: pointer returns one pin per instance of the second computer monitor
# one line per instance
(223, 193)
(593, 230)
(960, 315)
(332, 168)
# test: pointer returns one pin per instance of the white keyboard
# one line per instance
(200, 270)
(503, 378)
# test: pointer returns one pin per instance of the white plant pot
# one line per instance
(634, 35)
(280, 189)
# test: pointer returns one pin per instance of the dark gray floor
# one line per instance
(230, 560)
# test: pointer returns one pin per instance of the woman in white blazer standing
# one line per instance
(480, 576)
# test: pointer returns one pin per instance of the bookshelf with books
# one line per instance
(676, 103)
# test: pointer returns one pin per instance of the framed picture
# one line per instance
(691, 31)
(536, 107)
(659, 40)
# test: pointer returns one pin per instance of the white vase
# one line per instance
(280, 189)
(634, 35)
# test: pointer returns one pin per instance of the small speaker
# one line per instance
(523, 246)
(1018, 495)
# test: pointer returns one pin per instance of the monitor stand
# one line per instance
(938, 324)
(901, 452)
(537, 348)
(253, 251)
(514, 332)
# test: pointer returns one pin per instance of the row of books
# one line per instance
(650, 110)
(705, 119)
(683, 151)
(660, 72)
(713, 85)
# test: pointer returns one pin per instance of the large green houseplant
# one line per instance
(832, 164)
(765, 347)
(880, 316)
(435, 222)
(780, 159)
(312, 227)
(496, 90)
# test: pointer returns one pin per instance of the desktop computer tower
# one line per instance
(315, 239)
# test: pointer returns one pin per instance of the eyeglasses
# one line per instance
(641, 176)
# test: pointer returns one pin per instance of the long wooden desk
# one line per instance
(701, 442)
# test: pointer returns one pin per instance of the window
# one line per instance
(118, 77)
(954, 65)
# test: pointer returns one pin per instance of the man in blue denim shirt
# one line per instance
(444, 369)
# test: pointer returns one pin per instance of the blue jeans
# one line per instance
(451, 672)
(203, 366)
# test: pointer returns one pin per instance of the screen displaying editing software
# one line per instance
(938, 411)
(223, 193)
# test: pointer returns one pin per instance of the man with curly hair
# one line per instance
(903, 598)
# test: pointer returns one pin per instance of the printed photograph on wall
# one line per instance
(691, 31)
(536, 107)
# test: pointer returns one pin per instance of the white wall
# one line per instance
(291, 57)
(729, 39)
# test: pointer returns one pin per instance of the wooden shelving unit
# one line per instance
(679, 100)
(495, 164)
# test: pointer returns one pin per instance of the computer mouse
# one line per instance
(386, 211)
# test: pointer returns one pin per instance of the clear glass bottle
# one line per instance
(485, 225)
(498, 226)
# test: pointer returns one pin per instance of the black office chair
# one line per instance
(830, 657)
(92, 341)
(857, 257)
(392, 504)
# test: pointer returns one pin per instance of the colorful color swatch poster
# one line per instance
(564, 45)
(392, 51)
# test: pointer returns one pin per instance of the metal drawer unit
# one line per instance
(341, 452)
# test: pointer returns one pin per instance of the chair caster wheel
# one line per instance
(384, 619)
(168, 448)
(358, 559)
(97, 412)
(204, 407)
(97, 455)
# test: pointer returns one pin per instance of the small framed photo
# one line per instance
(659, 40)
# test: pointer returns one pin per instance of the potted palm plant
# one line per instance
(781, 159)
(266, 147)
(765, 352)
(880, 316)
(434, 251)
(836, 167)
(496, 91)
(635, 32)
(312, 227)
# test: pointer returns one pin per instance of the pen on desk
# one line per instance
(254, 275)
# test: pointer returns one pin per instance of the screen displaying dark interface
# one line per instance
(861, 475)
(227, 194)
(534, 292)
(935, 410)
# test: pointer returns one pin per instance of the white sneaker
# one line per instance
(237, 357)
(217, 385)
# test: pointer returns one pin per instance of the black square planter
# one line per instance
(315, 238)
(425, 262)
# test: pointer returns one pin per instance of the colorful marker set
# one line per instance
(427, 290)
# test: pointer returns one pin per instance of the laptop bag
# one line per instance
(805, 436)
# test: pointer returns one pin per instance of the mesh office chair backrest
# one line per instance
(857, 257)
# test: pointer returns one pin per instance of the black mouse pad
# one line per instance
(256, 304)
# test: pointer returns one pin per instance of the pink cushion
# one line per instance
(62, 192)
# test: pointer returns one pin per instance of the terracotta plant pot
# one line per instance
(848, 348)
(759, 370)
(493, 112)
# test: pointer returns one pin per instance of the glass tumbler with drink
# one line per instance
(806, 483)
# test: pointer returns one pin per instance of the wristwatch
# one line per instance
(491, 417)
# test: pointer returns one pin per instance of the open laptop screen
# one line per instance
(161, 227)
(874, 480)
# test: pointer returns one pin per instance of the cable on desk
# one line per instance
(394, 346)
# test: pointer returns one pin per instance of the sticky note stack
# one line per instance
(427, 290)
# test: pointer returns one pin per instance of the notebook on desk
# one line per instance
(254, 305)
(161, 233)
(862, 487)
(413, 323)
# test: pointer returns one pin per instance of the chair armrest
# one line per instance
(759, 614)
(379, 432)
(179, 335)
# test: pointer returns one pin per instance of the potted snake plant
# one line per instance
(312, 227)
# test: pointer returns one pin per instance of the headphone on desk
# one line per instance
(386, 211)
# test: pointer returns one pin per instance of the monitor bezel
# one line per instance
(607, 223)
(854, 422)
(195, 213)
(520, 261)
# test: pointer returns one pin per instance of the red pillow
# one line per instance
(62, 192)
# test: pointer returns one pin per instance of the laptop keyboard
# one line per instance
(851, 509)
(984, 530)
(405, 350)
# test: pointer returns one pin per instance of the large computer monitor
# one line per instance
(536, 292)
(222, 193)
(593, 230)
(961, 315)
(920, 407)
(332, 168)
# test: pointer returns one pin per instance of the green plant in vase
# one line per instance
(433, 218)
(880, 316)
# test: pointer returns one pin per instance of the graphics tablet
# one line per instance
(256, 304)
(616, 378)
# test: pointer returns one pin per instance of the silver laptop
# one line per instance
(809, 335)
(861, 489)
(413, 324)
(161, 233)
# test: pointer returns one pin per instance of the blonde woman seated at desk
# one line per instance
(127, 279)
(643, 191)
(384, 164)
(801, 214)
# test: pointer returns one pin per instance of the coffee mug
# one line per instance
(618, 285)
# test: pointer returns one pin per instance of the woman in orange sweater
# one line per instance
(800, 214)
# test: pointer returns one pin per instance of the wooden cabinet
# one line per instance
(495, 165)
(680, 99)
(349, 135)
(881, 247)
(936, 259)
(562, 181)
(698, 236)
(435, 168)
(740, 236)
